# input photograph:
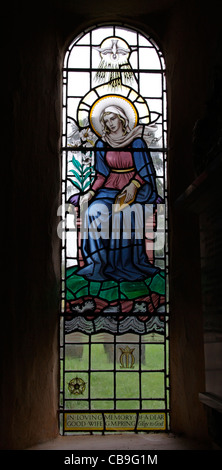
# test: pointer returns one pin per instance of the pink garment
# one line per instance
(117, 161)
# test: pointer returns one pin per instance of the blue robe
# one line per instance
(119, 259)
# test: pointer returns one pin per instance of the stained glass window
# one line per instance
(113, 230)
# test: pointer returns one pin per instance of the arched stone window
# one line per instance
(114, 299)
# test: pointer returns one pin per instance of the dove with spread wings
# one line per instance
(114, 53)
(113, 49)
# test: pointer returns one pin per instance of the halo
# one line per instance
(96, 100)
(112, 100)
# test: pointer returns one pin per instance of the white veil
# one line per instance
(147, 132)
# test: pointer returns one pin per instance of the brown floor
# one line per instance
(123, 442)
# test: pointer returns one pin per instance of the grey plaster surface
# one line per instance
(144, 442)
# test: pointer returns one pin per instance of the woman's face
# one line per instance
(113, 123)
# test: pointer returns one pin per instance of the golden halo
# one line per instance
(112, 100)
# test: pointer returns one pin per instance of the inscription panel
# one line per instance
(111, 421)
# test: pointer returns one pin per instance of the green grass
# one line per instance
(128, 382)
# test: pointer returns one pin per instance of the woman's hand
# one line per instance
(129, 192)
(85, 198)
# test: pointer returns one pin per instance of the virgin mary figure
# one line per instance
(124, 173)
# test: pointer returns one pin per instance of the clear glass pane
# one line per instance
(129, 36)
(150, 85)
(78, 83)
(152, 385)
(80, 57)
(102, 356)
(77, 356)
(148, 59)
(99, 34)
(127, 385)
(153, 357)
(101, 384)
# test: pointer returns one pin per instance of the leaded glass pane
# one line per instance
(114, 223)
